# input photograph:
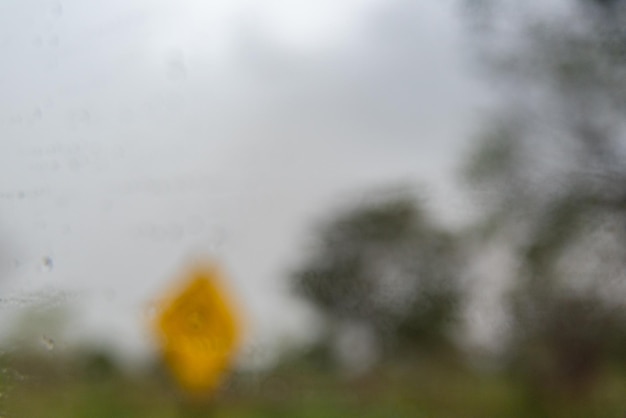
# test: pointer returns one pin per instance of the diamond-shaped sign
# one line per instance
(199, 331)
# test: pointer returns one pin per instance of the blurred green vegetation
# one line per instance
(423, 386)
(383, 267)
(549, 171)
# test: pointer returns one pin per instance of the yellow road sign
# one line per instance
(199, 331)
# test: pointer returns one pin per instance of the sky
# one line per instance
(138, 135)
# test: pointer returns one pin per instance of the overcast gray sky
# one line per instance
(136, 134)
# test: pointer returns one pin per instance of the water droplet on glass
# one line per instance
(46, 264)
(57, 9)
(176, 68)
(16, 120)
(53, 41)
(174, 232)
(48, 342)
(74, 164)
(152, 312)
(80, 116)
(218, 238)
(109, 295)
(195, 225)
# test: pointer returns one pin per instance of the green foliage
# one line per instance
(424, 387)
(554, 159)
(493, 157)
(384, 264)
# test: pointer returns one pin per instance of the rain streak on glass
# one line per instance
(47, 342)
(47, 264)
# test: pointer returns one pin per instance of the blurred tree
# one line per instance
(551, 170)
(384, 267)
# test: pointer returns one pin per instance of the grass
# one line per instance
(412, 389)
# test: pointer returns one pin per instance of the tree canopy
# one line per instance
(552, 164)
(383, 264)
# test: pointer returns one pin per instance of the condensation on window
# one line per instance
(312, 209)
